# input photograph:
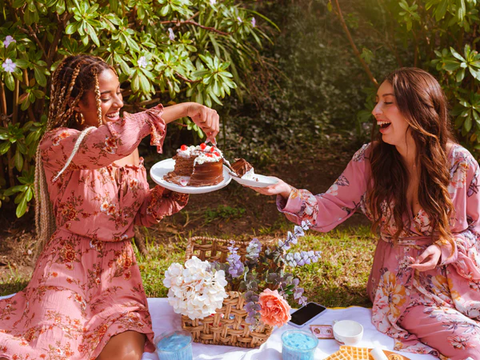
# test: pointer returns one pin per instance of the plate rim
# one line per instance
(187, 189)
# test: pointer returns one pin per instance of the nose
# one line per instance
(377, 110)
(118, 101)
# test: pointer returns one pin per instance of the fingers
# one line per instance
(428, 260)
(208, 120)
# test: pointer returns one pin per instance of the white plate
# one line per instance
(263, 181)
(161, 168)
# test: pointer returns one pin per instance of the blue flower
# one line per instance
(171, 34)
(8, 40)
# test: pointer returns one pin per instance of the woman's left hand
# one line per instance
(207, 119)
(429, 259)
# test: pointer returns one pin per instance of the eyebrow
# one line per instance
(388, 94)
(105, 92)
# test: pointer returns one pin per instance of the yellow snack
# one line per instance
(339, 355)
(356, 353)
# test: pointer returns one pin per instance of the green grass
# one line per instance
(338, 279)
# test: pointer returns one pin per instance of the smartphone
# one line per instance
(306, 314)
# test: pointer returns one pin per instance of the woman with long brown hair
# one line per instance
(420, 190)
(86, 299)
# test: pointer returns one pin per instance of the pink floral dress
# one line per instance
(437, 311)
(86, 286)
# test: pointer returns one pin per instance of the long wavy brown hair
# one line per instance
(421, 101)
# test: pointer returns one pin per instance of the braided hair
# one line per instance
(74, 77)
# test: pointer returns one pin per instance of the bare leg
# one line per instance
(124, 346)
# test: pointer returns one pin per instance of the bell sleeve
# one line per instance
(464, 190)
(105, 144)
(159, 203)
(325, 211)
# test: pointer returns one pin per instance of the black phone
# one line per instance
(306, 314)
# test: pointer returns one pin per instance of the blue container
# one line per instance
(298, 345)
(174, 345)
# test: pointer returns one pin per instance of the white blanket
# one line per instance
(164, 319)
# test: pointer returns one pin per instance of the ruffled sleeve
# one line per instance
(158, 204)
(105, 144)
(326, 211)
(464, 190)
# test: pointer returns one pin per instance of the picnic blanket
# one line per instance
(164, 319)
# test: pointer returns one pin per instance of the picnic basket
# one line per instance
(228, 325)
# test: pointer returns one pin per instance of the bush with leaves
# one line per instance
(163, 50)
(439, 36)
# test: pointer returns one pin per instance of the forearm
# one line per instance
(175, 112)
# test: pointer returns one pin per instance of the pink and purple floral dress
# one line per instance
(86, 286)
(435, 312)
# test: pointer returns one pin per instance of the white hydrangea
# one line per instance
(195, 291)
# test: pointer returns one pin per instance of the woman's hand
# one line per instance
(280, 188)
(204, 117)
(428, 260)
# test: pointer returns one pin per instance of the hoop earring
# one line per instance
(79, 118)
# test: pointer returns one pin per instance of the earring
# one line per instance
(79, 118)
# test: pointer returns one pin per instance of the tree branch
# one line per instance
(354, 47)
(185, 79)
(191, 22)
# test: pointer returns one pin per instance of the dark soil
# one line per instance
(233, 211)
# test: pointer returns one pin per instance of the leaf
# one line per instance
(4, 147)
(22, 207)
(18, 160)
(40, 76)
(460, 75)
(9, 81)
(457, 55)
(467, 125)
(72, 28)
(441, 10)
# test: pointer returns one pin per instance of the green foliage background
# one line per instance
(164, 51)
(289, 81)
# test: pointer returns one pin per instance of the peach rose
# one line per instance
(275, 310)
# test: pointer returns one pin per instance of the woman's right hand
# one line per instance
(279, 188)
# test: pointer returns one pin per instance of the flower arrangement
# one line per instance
(199, 289)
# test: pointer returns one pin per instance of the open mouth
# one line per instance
(383, 124)
(114, 115)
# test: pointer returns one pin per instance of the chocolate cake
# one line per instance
(242, 167)
(196, 166)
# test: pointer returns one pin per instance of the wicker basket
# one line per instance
(227, 326)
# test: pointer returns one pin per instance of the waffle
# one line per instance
(339, 355)
(356, 353)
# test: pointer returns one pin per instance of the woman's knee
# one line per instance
(125, 346)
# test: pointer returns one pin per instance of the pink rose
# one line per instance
(275, 310)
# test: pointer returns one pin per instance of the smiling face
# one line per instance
(393, 125)
(111, 100)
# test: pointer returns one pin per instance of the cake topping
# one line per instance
(203, 146)
(183, 147)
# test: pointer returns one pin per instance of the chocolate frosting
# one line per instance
(241, 166)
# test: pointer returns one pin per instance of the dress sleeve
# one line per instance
(105, 144)
(464, 190)
(326, 211)
(159, 203)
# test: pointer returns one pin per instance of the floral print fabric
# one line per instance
(86, 286)
(393, 286)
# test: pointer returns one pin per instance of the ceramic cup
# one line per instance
(348, 332)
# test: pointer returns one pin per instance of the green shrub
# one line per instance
(164, 50)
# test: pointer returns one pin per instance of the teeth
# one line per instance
(114, 115)
(380, 123)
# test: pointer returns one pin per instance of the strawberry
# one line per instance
(183, 147)
(203, 146)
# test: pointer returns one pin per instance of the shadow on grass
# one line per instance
(7, 288)
(340, 296)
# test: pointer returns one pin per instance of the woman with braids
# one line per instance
(85, 299)
(420, 190)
